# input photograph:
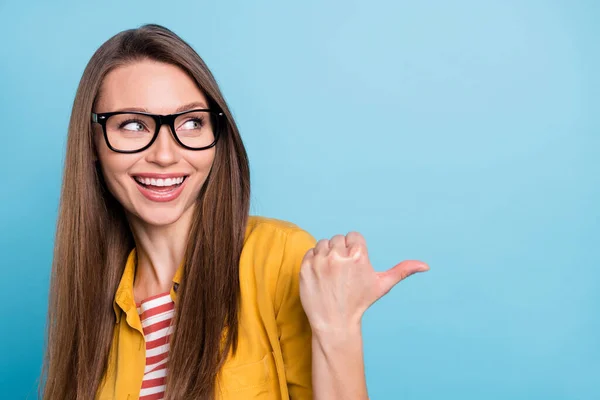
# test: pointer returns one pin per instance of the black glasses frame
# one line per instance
(159, 120)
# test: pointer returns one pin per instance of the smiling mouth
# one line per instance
(160, 185)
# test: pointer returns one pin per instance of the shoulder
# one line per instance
(258, 223)
(278, 234)
(272, 256)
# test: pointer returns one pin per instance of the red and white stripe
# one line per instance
(156, 313)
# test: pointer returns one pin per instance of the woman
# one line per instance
(162, 285)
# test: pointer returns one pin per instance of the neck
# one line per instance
(160, 252)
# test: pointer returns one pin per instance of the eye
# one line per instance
(132, 125)
(194, 123)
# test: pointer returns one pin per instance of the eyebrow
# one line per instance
(185, 107)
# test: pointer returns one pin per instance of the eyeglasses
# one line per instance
(132, 132)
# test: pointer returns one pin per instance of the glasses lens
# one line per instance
(196, 129)
(129, 132)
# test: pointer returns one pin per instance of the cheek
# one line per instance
(202, 164)
(114, 169)
(109, 175)
(203, 161)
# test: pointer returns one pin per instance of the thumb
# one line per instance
(390, 278)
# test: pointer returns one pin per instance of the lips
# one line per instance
(160, 188)
(160, 182)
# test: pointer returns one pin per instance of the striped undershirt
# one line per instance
(156, 313)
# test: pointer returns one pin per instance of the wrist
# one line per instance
(331, 334)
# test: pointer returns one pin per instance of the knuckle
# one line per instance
(354, 234)
(338, 237)
(306, 260)
(322, 243)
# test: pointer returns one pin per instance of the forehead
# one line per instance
(158, 87)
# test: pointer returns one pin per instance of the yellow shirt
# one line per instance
(273, 359)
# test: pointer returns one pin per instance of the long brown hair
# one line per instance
(93, 240)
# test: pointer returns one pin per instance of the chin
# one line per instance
(160, 216)
(162, 219)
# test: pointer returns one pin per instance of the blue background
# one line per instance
(461, 133)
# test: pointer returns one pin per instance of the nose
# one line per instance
(165, 150)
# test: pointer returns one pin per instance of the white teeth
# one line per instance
(160, 181)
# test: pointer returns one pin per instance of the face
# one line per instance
(149, 184)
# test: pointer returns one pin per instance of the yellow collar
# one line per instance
(124, 301)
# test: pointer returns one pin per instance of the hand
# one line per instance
(338, 283)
